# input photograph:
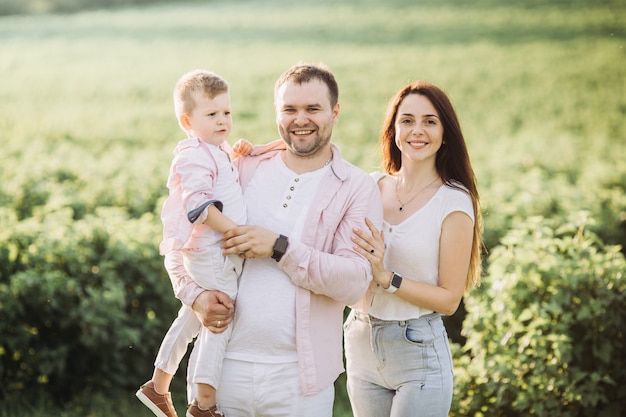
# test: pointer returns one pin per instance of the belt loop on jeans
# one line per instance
(361, 316)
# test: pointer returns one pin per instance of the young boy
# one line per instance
(202, 182)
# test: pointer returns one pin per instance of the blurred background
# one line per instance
(87, 129)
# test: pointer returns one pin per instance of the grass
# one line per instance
(536, 84)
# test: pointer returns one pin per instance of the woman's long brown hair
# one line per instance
(452, 161)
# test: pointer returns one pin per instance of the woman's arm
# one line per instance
(454, 255)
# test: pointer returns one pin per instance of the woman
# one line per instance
(428, 253)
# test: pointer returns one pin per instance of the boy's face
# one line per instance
(210, 120)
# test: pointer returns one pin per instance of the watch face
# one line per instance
(281, 244)
(280, 247)
(396, 280)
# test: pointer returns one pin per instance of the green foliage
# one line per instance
(540, 188)
(82, 303)
(88, 404)
(546, 332)
(9, 7)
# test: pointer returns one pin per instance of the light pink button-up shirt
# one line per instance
(327, 272)
(200, 173)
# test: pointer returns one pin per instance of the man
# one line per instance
(301, 270)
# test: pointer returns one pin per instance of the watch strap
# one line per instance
(394, 283)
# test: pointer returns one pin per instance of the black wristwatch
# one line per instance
(280, 247)
(394, 283)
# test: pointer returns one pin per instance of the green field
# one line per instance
(87, 124)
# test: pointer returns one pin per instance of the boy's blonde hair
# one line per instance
(205, 82)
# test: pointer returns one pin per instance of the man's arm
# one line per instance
(343, 274)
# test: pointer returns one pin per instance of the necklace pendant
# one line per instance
(401, 208)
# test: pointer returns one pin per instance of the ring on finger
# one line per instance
(219, 323)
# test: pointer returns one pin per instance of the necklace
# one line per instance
(412, 198)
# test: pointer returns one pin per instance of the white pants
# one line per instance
(212, 271)
(174, 345)
(250, 389)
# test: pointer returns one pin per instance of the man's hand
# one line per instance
(249, 242)
(214, 309)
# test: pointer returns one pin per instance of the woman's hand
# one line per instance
(372, 247)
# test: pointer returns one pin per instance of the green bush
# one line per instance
(83, 304)
(521, 191)
(545, 332)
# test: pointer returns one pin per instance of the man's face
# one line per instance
(305, 117)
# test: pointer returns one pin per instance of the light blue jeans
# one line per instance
(398, 368)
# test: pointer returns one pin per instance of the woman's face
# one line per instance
(419, 130)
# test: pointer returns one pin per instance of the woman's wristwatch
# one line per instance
(394, 283)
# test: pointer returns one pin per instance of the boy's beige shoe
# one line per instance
(160, 404)
(195, 411)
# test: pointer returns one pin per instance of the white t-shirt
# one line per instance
(413, 250)
(278, 200)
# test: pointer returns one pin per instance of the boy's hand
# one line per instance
(242, 147)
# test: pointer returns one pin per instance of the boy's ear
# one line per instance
(184, 122)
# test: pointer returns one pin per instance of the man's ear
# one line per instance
(336, 113)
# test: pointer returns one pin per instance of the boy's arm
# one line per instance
(216, 220)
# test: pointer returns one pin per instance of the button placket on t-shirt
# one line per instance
(290, 193)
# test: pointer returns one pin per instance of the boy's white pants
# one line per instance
(212, 271)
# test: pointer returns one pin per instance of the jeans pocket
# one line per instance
(418, 335)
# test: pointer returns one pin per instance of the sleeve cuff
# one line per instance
(193, 215)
